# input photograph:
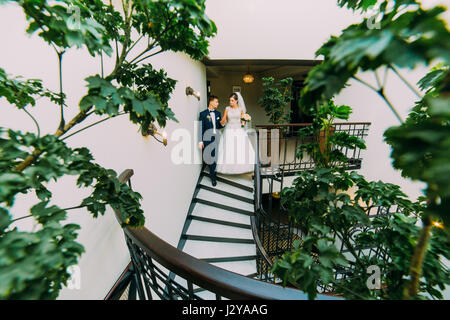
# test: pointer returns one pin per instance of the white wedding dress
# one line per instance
(235, 153)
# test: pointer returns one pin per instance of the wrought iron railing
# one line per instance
(153, 260)
(289, 140)
(272, 237)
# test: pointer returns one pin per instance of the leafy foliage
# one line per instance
(33, 264)
(177, 25)
(276, 96)
(23, 92)
(321, 204)
(421, 146)
(66, 24)
(406, 38)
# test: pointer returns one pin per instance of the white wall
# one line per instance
(167, 188)
(267, 29)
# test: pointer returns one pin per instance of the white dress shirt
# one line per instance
(213, 117)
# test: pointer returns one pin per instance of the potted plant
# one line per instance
(277, 96)
(323, 140)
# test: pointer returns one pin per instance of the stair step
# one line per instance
(227, 201)
(203, 228)
(229, 259)
(218, 249)
(225, 207)
(207, 211)
(240, 184)
(216, 239)
(206, 181)
(221, 222)
(227, 194)
(242, 179)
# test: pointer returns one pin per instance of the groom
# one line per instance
(210, 125)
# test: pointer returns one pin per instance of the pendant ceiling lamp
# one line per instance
(248, 77)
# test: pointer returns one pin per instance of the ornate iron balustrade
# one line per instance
(153, 260)
(289, 139)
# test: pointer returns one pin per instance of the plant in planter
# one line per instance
(325, 147)
(33, 264)
(276, 97)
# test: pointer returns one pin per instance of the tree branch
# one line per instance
(34, 120)
(37, 153)
(91, 125)
(415, 269)
(150, 55)
(410, 86)
(380, 92)
(61, 210)
(61, 101)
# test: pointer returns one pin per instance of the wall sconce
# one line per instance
(152, 131)
(190, 91)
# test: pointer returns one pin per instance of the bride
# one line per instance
(235, 153)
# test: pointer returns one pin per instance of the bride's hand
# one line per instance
(223, 121)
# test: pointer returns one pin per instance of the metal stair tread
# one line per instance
(203, 228)
(221, 222)
(229, 259)
(196, 237)
(218, 249)
(222, 206)
(226, 193)
(242, 184)
(207, 211)
(223, 200)
(222, 186)
(243, 179)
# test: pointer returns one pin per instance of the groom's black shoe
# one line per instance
(214, 183)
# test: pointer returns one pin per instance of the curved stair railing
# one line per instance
(153, 259)
(272, 236)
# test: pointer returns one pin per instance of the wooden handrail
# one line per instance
(222, 282)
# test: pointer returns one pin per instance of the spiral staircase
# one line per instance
(228, 240)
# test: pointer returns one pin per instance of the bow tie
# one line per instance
(210, 110)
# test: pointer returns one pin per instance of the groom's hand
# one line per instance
(200, 145)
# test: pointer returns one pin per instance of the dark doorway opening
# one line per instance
(297, 115)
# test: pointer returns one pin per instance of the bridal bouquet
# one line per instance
(246, 118)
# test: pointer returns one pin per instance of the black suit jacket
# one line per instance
(207, 123)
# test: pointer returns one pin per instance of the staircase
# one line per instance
(217, 229)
